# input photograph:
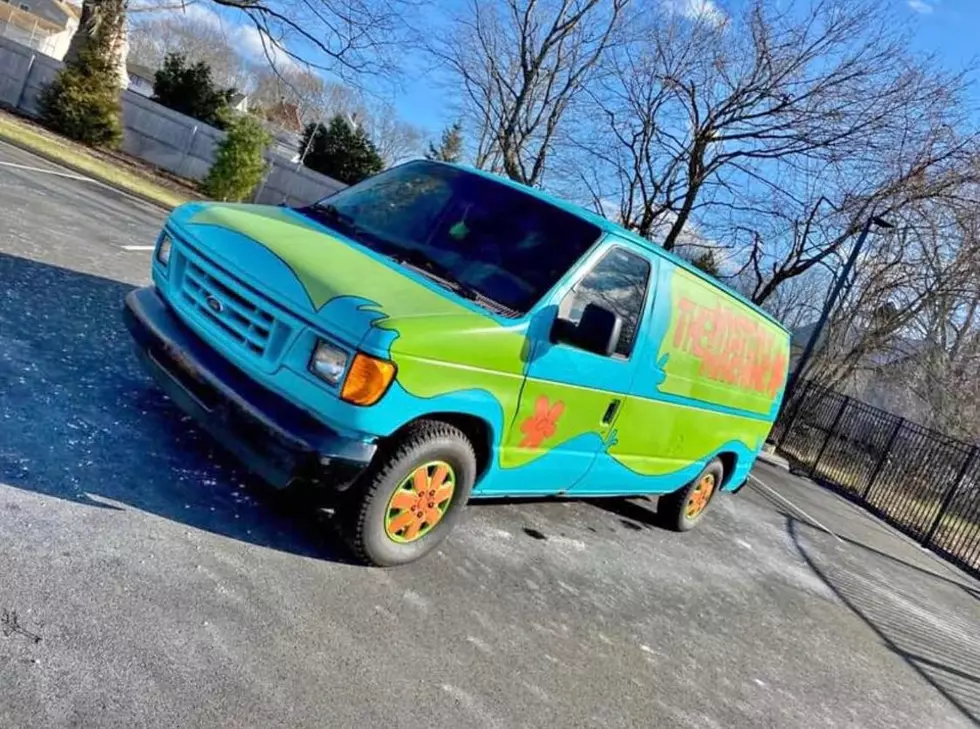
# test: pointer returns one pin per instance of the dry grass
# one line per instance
(101, 166)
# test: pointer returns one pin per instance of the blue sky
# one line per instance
(949, 28)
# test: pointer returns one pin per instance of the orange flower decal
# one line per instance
(539, 427)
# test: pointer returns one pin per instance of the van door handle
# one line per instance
(611, 412)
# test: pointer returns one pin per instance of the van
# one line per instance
(435, 334)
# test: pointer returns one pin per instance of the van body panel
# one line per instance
(704, 377)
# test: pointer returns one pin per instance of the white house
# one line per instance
(44, 25)
(140, 79)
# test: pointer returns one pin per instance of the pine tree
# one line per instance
(707, 262)
(239, 163)
(82, 102)
(189, 89)
(450, 147)
(341, 151)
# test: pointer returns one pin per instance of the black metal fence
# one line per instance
(918, 480)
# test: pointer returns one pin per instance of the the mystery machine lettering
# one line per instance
(732, 346)
(719, 350)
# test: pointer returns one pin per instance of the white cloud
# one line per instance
(191, 10)
(202, 15)
(920, 6)
(704, 10)
(256, 44)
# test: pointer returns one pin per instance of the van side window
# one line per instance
(618, 282)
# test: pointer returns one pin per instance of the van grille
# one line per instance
(230, 308)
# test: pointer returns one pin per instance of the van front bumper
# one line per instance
(270, 435)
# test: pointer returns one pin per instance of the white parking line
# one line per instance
(63, 172)
(42, 170)
(137, 248)
(772, 492)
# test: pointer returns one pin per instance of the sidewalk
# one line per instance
(772, 459)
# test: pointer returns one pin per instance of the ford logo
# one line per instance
(214, 305)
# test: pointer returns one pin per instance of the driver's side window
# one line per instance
(618, 282)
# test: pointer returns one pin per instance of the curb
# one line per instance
(50, 158)
(773, 460)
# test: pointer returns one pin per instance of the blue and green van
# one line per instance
(435, 334)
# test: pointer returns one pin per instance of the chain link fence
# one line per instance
(919, 480)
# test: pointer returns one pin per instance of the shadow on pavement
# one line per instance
(80, 421)
(963, 584)
(893, 598)
(632, 515)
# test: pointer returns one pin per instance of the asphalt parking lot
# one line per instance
(145, 580)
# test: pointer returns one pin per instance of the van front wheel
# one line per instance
(410, 498)
(683, 509)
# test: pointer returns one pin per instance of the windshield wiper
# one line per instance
(411, 257)
(434, 270)
(346, 223)
(330, 215)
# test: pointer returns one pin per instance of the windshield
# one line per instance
(484, 237)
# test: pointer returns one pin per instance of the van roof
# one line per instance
(609, 226)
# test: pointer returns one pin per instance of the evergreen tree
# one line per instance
(190, 90)
(707, 262)
(239, 163)
(82, 102)
(341, 151)
(450, 147)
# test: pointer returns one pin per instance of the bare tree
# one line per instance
(912, 308)
(520, 64)
(762, 115)
(153, 36)
(350, 38)
(320, 100)
(304, 88)
(103, 27)
(395, 139)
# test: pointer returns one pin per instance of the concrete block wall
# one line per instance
(158, 135)
(15, 66)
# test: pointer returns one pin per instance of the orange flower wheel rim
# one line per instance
(699, 498)
(420, 502)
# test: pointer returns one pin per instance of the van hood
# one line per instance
(361, 298)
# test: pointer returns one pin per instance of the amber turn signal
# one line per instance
(367, 380)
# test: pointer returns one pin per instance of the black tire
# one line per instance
(363, 523)
(672, 509)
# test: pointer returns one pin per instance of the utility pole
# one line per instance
(873, 220)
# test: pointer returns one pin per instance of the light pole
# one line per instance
(831, 301)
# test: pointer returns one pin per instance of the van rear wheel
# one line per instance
(683, 509)
(410, 498)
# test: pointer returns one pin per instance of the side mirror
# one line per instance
(597, 331)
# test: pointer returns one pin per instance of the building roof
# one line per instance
(141, 71)
(285, 115)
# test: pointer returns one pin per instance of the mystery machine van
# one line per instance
(435, 334)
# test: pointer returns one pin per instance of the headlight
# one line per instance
(328, 362)
(163, 249)
(368, 380)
